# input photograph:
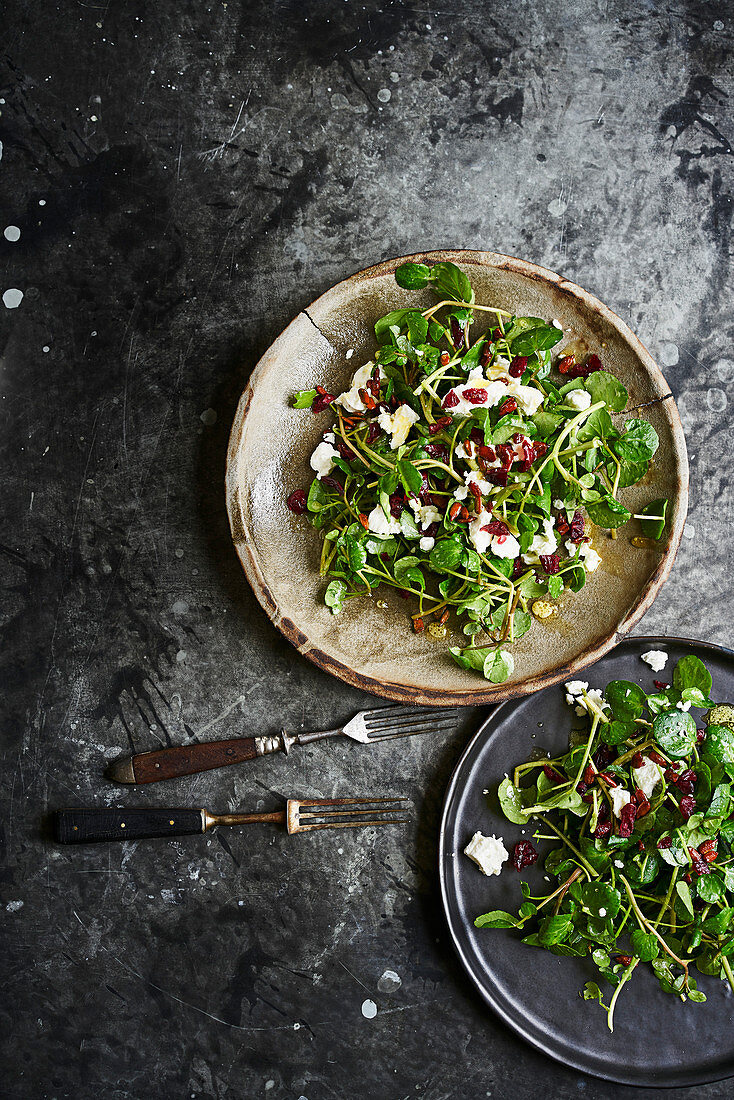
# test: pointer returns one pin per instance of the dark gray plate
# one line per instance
(657, 1041)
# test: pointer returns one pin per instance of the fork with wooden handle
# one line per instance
(85, 825)
(368, 727)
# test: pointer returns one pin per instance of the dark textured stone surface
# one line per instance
(185, 178)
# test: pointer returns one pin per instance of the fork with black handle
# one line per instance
(368, 727)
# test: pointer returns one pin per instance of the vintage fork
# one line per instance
(92, 824)
(367, 727)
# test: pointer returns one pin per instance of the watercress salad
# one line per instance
(640, 813)
(459, 466)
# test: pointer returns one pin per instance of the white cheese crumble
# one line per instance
(543, 543)
(576, 687)
(461, 493)
(602, 912)
(488, 852)
(620, 798)
(322, 460)
(398, 424)
(647, 776)
(684, 706)
(483, 486)
(379, 524)
(425, 514)
(619, 863)
(528, 398)
(502, 546)
(578, 399)
(427, 543)
(350, 399)
(657, 659)
(591, 559)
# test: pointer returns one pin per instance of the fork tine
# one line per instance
(345, 813)
(345, 801)
(354, 824)
(382, 714)
(379, 733)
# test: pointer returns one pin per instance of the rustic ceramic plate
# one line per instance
(372, 647)
(657, 1041)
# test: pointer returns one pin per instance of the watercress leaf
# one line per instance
(592, 992)
(511, 802)
(318, 496)
(412, 276)
(498, 666)
(410, 476)
(675, 732)
(451, 282)
(639, 441)
(608, 513)
(521, 623)
(719, 745)
(683, 891)
(356, 553)
(594, 896)
(498, 918)
(396, 319)
(598, 425)
(710, 888)
(446, 554)
(626, 699)
(644, 945)
(555, 585)
(718, 922)
(603, 386)
(546, 422)
(417, 329)
(654, 528)
(536, 339)
(555, 929)
(522, 324)
(616, 732)
(471, 359)
(471, 658)
(408, 526)
(303, 399)
(334, 595)
(629, 472)
(691, 672)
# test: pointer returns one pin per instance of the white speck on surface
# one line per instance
(557, 208)
(602, 912)
(669, 354)
(716, 400)
(41, 202)
(384, 95)
(178, 552)
(14, 906)
(208, 417)
(180, 607)
(369, 1009)
(45, 348)
(689, 531)
(11, 233)
(718, 25)
(269, 1085)
(296, 1026)
(12, 298)
(350, 353)
(181, 656)
(389, 981)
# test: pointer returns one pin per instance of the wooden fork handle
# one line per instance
(151, 767)
(91, 824)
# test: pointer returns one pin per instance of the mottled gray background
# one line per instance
(185, 178)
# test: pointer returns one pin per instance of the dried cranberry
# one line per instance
(518, 567)
(582, 787)
(562, 524)
(398, 500)
(475, 396)
(496, 527)
(687, 805)
(603, 829)
(497, 476)
(322, 401)
(627, 819)
(486, 452)
(564, 365)
(332, 483)
(637, 760)
(551, 562)
(497, 334)
(506, 454)
(686, 782)
(451, 400)
(625, 960)
(457, 333)
(297, 502)
(524, 855)
(431, 531)
(552, 774)
(669, 775)
(477, 437)
(658, 759)
(660, 685)
(441, 423)
(700, 736)
(539, 449)
(577, 526)
(593, 363)
(517, 366)
(665, 842)
(700, 865)
(437, 450)
(509, 405)
(373, 432)
(709, 849)
(587, 796)
(609, 779)
(526, 451)
(486, 354)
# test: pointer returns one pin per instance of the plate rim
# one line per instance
(483, 693)
(536, 1043)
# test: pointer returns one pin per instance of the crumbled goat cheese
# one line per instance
(647, 776)
(398, 424)
(461, 493)
(576, 687)
(545, 543)
(505, 546)
(483, 486)
(379, 524)
(322, 460)
(427, 543)
(578, 399)
(683, 706)
(350, 399)
(619, 863)
(590, 558)
(425, 514)
(657, 659)
(602, 912)
(488, 852)
(528, 398)
(620, 798)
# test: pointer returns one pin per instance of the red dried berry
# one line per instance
(497, 476)
(539, 449)
(444, 359)
(437, 450)
(625, 960)
(364, 521)
(562, 524)
(506, 454)
(418, 625)
(565, 364)
(637, 760)
(665, 842)
(441, 423)
(627, 819)
(509, 405)
(709, 849)
(322, 402)
(582, 787)
(297, 502)
(700, 865)
(659, 760)
(552, 774)
(518, 568)
(450, 401)
(687, 805)
(373, 432)
(486, 354)
(524, 855)
(332, 483)
(587, 797)
(669, 775)
(603, 756)
(475, 396)
(609, 779)
(457, 333)
(486, 452)
(551, 562)
(517, 366)
(593, 363)
(497, 334)
(577, 526)
(603, 829)
(496, 527)
(660, 685)
(686, 781)
(700, 736)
